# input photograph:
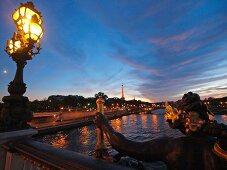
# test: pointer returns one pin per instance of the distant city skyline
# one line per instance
(159, 49)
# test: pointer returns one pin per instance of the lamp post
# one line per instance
(22, 47)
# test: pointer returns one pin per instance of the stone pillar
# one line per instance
(15, 113)
(100, 135)
(101, 150)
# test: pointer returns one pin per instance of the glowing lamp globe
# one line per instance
(28, 21)
(32, 31)
(12, 46)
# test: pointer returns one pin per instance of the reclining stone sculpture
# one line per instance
(204, 145)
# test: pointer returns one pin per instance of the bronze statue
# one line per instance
(203, 147)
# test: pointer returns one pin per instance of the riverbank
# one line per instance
(53, 127)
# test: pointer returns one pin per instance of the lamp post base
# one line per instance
(15, 113)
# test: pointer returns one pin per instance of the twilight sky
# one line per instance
(160, 49)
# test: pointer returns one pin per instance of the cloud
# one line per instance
(168, 47)
(161, 49)
(160, 41)
(135, 58)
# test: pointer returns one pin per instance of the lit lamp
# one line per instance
(24, 44)
(12, 46)
(28, 21)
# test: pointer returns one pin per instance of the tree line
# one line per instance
(56, 103)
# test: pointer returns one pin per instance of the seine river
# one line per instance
(138, 127)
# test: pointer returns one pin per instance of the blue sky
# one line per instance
(160, 49)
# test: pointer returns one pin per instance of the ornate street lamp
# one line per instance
(22, 47)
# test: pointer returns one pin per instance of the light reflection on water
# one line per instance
(135, 127)
(222, 118)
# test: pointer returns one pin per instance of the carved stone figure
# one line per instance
(203, 147)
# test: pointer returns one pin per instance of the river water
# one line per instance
(138, 127)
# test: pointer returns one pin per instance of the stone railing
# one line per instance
(29, 154)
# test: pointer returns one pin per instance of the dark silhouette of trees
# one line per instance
(104, 96)
(56, 103)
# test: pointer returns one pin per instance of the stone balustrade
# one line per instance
(20, 151)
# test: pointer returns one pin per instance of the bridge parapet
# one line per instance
(29, 154)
